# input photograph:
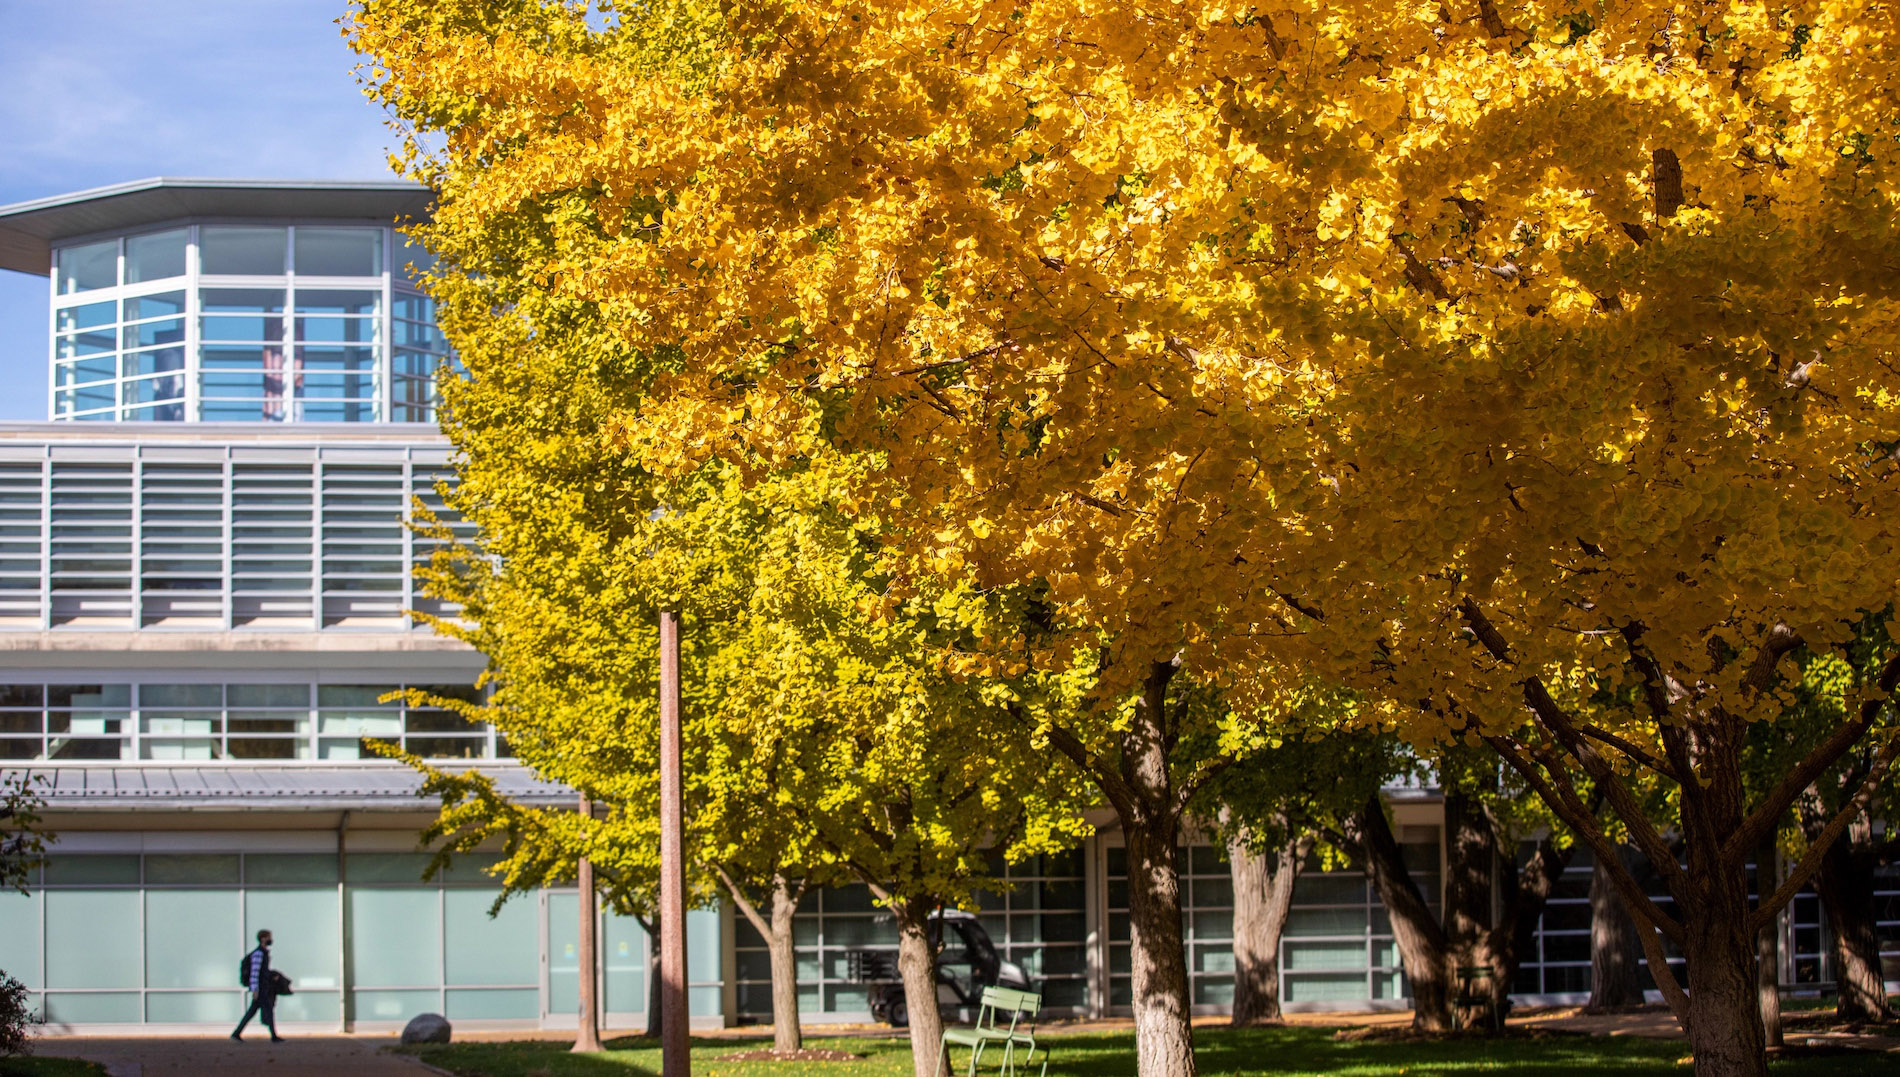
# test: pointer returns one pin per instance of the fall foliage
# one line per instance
(1489, 358)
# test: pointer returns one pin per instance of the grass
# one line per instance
(1222, 1052)
(30, 1066)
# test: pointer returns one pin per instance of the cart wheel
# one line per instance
(899, 1010)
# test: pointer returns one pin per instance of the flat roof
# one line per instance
(29, 229)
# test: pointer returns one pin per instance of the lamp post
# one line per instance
(673, 1015)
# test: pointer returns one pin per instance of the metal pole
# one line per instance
(673, 1014)
(588, 1039)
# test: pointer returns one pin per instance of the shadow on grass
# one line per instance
(1221, 1052)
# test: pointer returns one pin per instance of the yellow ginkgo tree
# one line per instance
(1481, 355)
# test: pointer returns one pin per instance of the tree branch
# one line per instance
(1761, 822)
(1810, 861)
(745, 903)
(1570, 808)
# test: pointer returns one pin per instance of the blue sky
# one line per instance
(94, 92)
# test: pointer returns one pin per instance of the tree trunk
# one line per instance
(1845, 883)
(1263, 897)
(1615, 972)
(786, 1033)
(1164, 1038)
(1474, 959)
(1420, 938)
(1725, 1027)
(587, 1038)
(653, 977)
(1135, 779)
(917, 967)
(1724, 1010)
(1768, 950)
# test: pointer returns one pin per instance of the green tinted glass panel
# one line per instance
(266, 869)
(20, 937)
(268, 695)
(305, 944)
(181, 695)
(353, 695)
(386, 867)
(193, 938)
(474, 1004)
(93, 1008)
(197, 1007)
(1325, 987)
(484, 951)
(307, 1005)
(91, 870)
(703, 948)
(396, 1006)
(563, 953)
(202, 868)
(92, 938)
(396, 937)
(624, 956)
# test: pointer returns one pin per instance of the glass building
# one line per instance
(205, 579)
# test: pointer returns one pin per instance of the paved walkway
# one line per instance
(180, 1056)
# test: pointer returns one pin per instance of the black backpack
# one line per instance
(244, 970)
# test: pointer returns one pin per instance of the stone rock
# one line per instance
(426, 1028)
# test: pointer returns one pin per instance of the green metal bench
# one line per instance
(1021, 1008)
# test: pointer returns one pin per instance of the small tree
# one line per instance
(1270, 810)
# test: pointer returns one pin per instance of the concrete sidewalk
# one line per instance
(182, 1056)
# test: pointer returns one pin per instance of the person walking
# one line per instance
(263, 991)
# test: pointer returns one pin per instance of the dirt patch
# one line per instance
(809, 1054)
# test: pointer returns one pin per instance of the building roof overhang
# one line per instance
(28, 230)
(368, 786)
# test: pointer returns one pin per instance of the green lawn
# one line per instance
(1222, 1052)
(31, 1066)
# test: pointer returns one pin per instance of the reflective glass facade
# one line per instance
(274, 720)
(154, 938)
(279, 322)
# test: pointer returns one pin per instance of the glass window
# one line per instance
(155, 257)
(158, 361)
(269, 695)
(92, 938)
(87, 343)
(303, 924)
(89, 695)
(337, 330)
(153, 334)
(20, 942)
(83, 268)
(85, 316)
(280, 868)
(180, 695)
(241, 251)
(161, 305)
(191, 869)
(243, 300)
(191, 937)
(339, 252)
(356, 303)
(198, 1007)
(490, 952)
(353, 695)
(20, 695)
(395, 936)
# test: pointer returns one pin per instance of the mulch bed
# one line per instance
(809, 1054)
